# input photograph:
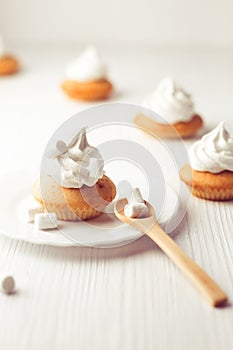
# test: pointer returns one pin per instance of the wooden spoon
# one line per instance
(200, 279)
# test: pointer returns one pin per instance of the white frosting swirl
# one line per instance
(171, 102)
(213, 152)
(81, 164)
(88, 67)
(136, 207)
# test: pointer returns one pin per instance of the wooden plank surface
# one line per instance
(131, 297)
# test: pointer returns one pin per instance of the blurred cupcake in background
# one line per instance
(175, 105)
(210, 173)
(86, 77)
(8, 63)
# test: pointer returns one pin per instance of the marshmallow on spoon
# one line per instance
(136, 207)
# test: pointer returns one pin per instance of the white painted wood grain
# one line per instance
(131, 297)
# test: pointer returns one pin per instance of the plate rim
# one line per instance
(67, 243)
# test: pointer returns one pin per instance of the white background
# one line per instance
(133, 297)
(154, 23)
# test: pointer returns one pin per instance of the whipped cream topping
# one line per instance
(171, 102)
(136, 207)
(81, 163)
(213, 152)
(88, 67)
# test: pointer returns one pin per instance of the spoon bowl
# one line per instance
(142, 221)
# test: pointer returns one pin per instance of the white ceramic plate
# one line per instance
(132, 158)
(105, 231)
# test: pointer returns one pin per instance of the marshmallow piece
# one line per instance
(45, 221)
(136, 207)
(136, 210)
(7, 284)
(32, 211)
(28, 208)
(57, 149)
(67, 174)
(137, 196)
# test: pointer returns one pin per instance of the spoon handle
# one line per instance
(200, 279)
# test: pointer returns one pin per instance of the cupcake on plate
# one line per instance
(8, 63)
(83, 190)
(175, 105)
(210, 175)
(86, 78)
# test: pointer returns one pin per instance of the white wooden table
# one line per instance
(130, 297)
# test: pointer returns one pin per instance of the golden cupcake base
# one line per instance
(8, 65)
(90, 91)
(215, 187)
(71, 204)
(183, 129)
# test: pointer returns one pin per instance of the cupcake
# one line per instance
(8, 64)
(83, 190)
(86, 78)
(174, 104)
(210, 175)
